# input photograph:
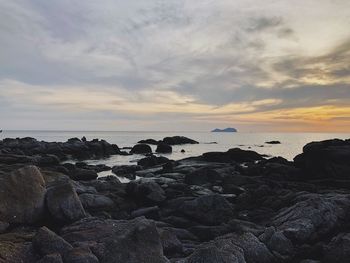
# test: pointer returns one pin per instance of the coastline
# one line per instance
(233, 206)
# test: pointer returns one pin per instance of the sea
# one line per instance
(291, 143)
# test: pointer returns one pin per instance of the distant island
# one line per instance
(225, 130)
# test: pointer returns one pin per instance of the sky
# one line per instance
(175, 65)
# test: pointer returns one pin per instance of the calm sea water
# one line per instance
(291, 143)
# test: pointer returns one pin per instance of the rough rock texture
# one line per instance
(47, 242)
(22, 195)
(164, 148)
(327, 159)
(178, 140)
(234, 206)
(131, 241)
(141, 149)
(63, 203)
(208, 209)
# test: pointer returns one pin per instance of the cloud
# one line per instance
(143, 61)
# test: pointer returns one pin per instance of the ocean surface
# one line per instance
(291, 143)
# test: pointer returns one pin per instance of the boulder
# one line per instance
(178, 140)
(3, 226)
(203, 176)
(324, 214)
(83, 175)
(146, 192)
(16, 246)
(80, 255)
(273, 142)
(171, 244)
(326, 160)
(338, 250)
(22, 195)
(237, 248)
(213, 254)
(141, 149)
(47, 242)
(208, 209)
(52, 258)
(148, 212)
(126, 170)
(95, 201)
(232, 155)
(149, 141)
(63, 203)
(130, 241)
(152, 161)
(164, 148)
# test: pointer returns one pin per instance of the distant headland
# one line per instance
(225, 130)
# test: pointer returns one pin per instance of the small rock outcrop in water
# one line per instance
(164, 148)
(141, 149)
(234, 206)
(225, 130)
(174, 140)
(273, 142)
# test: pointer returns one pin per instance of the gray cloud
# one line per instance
(213, 53)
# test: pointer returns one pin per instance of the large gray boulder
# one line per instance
(338, 250)
(209, 209)
(63, 203)
(232, 248)
(47, 242)
(326, 159)
(141, 149)
(131, 241)
(312, 216)
(22, 195)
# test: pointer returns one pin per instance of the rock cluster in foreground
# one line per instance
(223, 207)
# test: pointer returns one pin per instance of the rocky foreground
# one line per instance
(222, 207)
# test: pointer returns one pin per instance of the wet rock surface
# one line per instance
(234, 206)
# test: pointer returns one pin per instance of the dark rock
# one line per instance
(63, 203)
(203, 176)
(171, 244)
(164, 148)
(83, 175)
(212, 254)
(47, 242)
(53, 258)
(80, 255)
(232, 155)
(131, 241)
(126, 170)
(327, 159)
(273, 142)
(338, 250)
(141, 149)
(183, 151)
(324, 214)
(152, 161)
(210, 209)
(146, 192)
(3, 226)
(149, 141)
(178, 140)
(277, 242)
(148, 212)
(95, 201)
(232, 248)
(22, 195)
(16, 246)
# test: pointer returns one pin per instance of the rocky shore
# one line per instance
(220, 207)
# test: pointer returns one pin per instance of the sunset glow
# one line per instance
(185, 65)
